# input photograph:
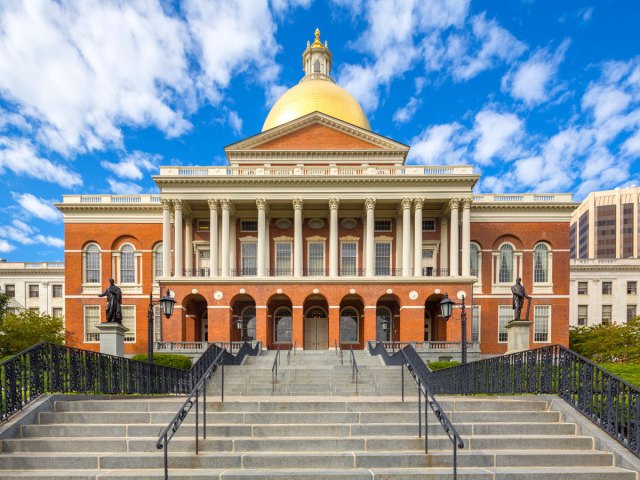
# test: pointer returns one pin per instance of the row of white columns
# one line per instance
(225, 206)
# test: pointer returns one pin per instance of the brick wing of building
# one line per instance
(318, 233)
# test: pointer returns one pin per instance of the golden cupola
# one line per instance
(316, 92)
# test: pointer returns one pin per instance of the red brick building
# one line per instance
(318, 233)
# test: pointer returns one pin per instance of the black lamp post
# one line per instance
(446, 306)
(240, 326)
(166, 303)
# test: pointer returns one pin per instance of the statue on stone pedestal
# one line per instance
(114, 302)
(519, 295)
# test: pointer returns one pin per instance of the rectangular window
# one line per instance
(382, 225)
(541, 323)
(475, 323)
(348, 258)
(606, 314)
(283, 258)
(157, 323)
(57, 312)
(248, 225)
(203, 225)
(91, 320)
(128, 267)
(10, 290)
(56, 291)
(583, 236)
(34, 291)
(129, 321)
(383, 258)
(316, 258)
(583, 315)
(572, 241)
(203, 263)
(631, 312)
(249, 258)
(632, 288)
(627, 230)
(606, 231)
(505, 315)
(34, 310)
(583, 288)
(429, 225)
(607, 288)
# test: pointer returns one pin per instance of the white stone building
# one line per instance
(34, 285)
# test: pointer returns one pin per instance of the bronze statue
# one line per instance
(114, 302)
(519, 295)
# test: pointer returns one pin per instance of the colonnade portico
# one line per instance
(409, 228)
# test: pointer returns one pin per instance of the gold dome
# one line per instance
(319, 95)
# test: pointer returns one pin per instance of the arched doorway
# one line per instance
(435, 328)
(280, 315)
(195, 307)
(352, 322)
(243, 307)
(316, 323)
(388, 319)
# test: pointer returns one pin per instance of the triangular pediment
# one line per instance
(317, 132)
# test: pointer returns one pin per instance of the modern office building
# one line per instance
(605, 258)
(317, 232)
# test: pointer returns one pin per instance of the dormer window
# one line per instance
(316, 66)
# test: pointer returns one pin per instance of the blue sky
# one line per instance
(95, 95)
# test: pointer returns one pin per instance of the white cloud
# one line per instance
(586, 13)
(123, 188)
(498, 134)
(39, 207)
(439, 144)
(134, 165)
(631, 146)
(6, 246)
(406, 113)
(20, 232)
(235, 122)
(50, 241)
(605, 102)
(532, 81)
(21, 158)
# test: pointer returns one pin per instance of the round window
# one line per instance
(283, 223)
(316, 223)
(349, 223)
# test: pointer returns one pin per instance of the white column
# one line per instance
(334, 203)
(297, 237)
(406, 236)
(454, 204)
(224, 254)
(178, 256)
(213, 237)
(370, 205)
(166, 237)
(466, 237)
(444, 245)
(188, 247)
(417, 237)
(262, 209)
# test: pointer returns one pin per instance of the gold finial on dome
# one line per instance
(317, 41)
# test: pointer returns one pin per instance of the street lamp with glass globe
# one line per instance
(446, 308)
(167, 303)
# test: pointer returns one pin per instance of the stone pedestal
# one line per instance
(518, 336)
(112, 338)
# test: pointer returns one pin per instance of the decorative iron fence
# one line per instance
(607, 400)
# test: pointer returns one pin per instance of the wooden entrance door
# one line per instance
(316, 333)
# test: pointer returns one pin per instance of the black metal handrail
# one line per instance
(354, 368)
(421, 374)
(291, 347)
(608, 401)
(341, 354)
(274, 371)
(377, 348)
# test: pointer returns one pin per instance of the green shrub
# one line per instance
(607, 343)
(173, 360)
(434, 366)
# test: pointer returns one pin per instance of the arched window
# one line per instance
(349, 325)
(248, 317)
(127, 264)
(316, 66)
(92, 264)
(282, 321)
(157, 261)
(475, 260)
(383, 317)
(505, 272)
(541, 263)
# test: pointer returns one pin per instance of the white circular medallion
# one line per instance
(279, 291)
(316, 291)
(352, 291)
(389, 291)
(437, 291)
(460, 294)
(242, 290)
(194, 291)
(413, 295)
(217, 295)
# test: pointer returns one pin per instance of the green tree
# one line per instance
(608, 343)
(21, 330)
(4, 302)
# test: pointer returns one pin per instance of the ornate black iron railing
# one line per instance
(607, 400)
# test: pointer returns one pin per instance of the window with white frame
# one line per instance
(583, 288)
(541, 263)
(428, 263)
(203, 225)
(249, 258)
(505, 315)
(606, 314)
(10, 290)
(57, 312)
(316, 258)
(157, 261)
(129, 321)
(92, 264)
(631, 312)
(475, 260)
(583, 315)
(607, 288)
(475, 323)
(632, 288)
(91, 322)
(248, 317)
(348, 258)
(429, 225)
(127, 264)
(56, 291)
(541, 323)
(505, 264)
(34, 291)
(382, 225)
(349, 325)
(203, 263)
(248, 225)
(282, 324)
(283, 258)
(383, 258)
